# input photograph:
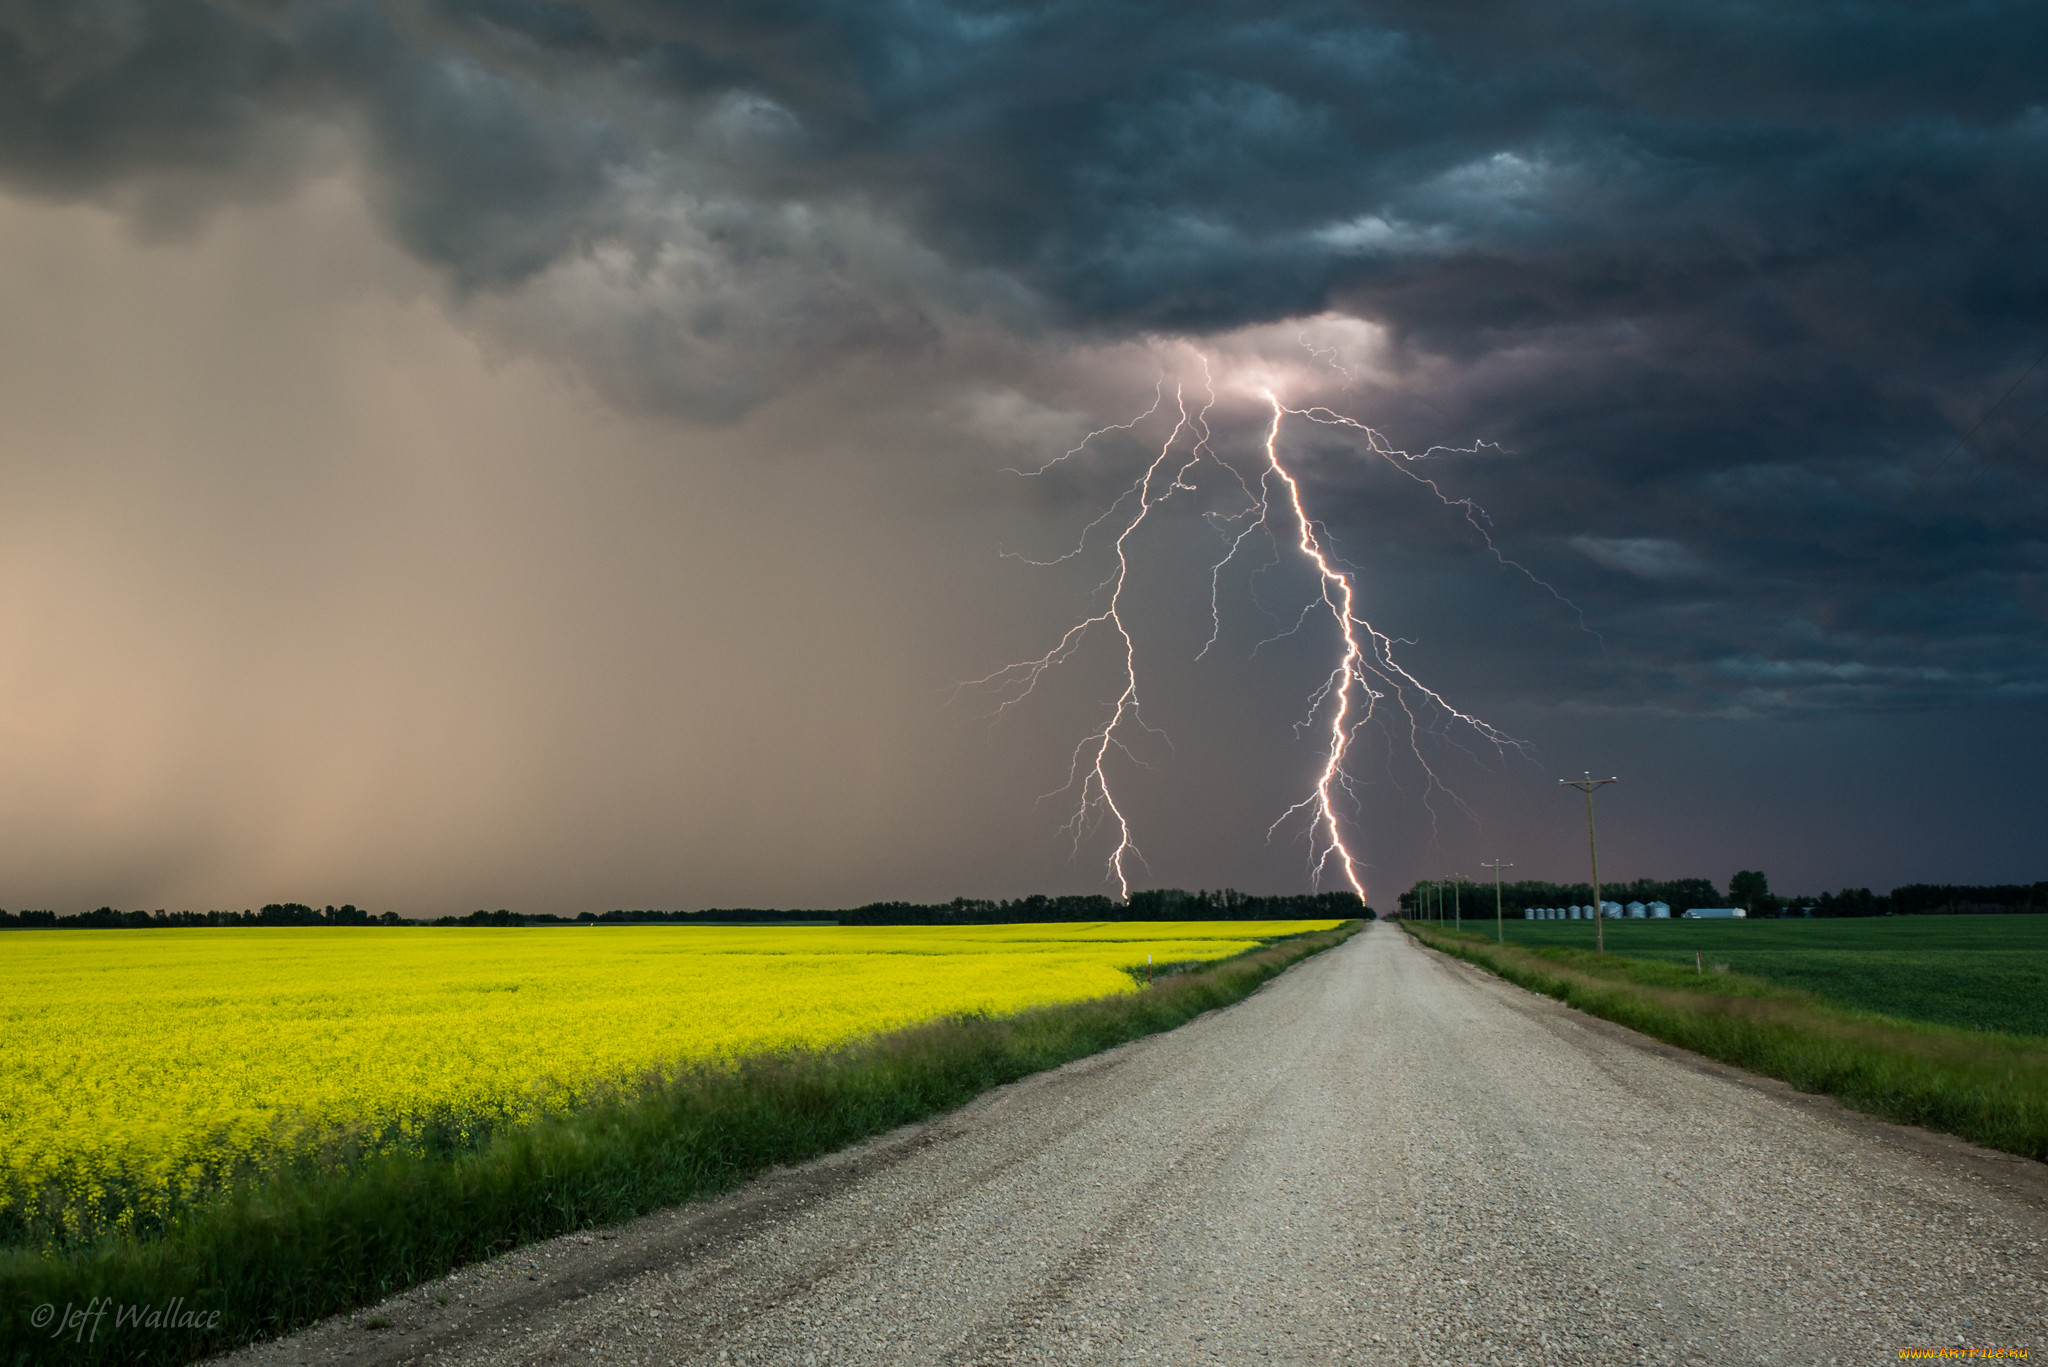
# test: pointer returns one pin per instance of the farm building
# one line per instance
(1714, 914)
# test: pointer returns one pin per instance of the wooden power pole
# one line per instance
(1588, 784)
(1499, 931)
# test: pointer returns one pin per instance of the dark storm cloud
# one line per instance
(482, 172)
(1727, 277)
(1186, 167)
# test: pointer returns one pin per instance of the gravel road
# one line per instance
(1385, 1156)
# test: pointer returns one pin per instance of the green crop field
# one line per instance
(1978, 972)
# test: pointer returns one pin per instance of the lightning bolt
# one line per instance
(1475, 516)
(1366, 674)
(1088, 772)
(1345, 682)
(1364, 683)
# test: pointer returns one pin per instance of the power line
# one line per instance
(1961, 441)
(1499, 932)
(2007, 450)
(1588, 784)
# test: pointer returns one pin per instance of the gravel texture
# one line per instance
(1384, 1156)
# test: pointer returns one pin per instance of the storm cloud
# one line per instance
(1726, 290)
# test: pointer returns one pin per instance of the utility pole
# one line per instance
(1499, 931)
(1457, 910)
(1587, 785)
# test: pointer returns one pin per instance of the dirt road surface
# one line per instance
(1384, 1156)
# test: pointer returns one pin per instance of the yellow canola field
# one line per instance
(137, 1067)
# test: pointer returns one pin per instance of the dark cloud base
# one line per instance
(1726, 280)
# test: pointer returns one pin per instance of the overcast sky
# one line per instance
(565, 456)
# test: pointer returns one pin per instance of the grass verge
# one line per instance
(1991, 1089)
(283, 1254)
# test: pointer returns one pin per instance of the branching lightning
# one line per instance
(1088, 772)
(1365, 680)
(1365, 675)
(1475, 516)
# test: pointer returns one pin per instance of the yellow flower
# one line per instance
(144, 1068)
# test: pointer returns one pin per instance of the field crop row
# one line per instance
(149, 1069)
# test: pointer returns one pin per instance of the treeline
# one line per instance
(1163, 904)
(1748, 889)
(275, 914)
(1930, 899)
(727, 916)
(1476, 898)
(1470, 898)
(1158, 904)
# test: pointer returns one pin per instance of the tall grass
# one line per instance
(1989, 1088)
(283, 1253)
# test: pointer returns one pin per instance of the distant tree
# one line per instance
(1852, 902)
(1752, 890)
(288, 914)
(1925, 899)
(1153, 904)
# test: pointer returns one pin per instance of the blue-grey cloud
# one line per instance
(1728, 278)
(1646, 557)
